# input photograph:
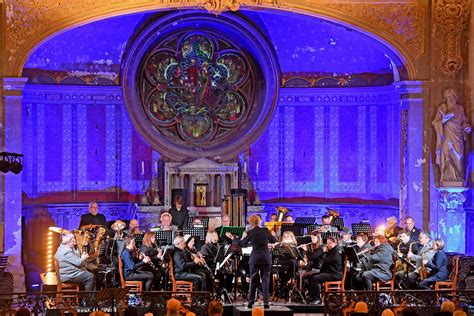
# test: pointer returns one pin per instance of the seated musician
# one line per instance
(331, 270)
(203, 269)
(404, 246)
(165, 223)
(225, 221)
(326, 225)
(289, 259)
(346, 237)
(134, 264)
(438, 265)
(273, 218)
(380, 263)
(425, 252)
(210, 251)
(72, 265)
(392, 230)
(289, 219)
(354, 276)
(150, 249)
(93, 217)
(185, 270)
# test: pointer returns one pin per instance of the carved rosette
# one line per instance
(451, 199)
(452, 17)
(219, 6)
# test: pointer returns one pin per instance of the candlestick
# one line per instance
(143, 168)
(156, 167)
(256, 169)
(245, 167)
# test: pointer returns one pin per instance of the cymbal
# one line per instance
(59, 230)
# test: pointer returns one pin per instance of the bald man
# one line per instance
(93, 217)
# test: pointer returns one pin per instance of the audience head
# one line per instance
(254, 221)
(93, 208)
(172, 307)
(215, 308)
(131, 311)
(258, 311)
(409, 223)
(447, 306)
(459, 313)
(190, 314)
(23, 312)
(388, 312)
(361, 307)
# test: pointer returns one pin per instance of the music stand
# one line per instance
(199, 235)
(325, 236)
(297, 229)
(204, 221)
(351, 254)
(112, 294)
(138, 240)
(311, 228)
(362, 228)
(338, 222)
(164, 237)
(234, 230)
(302, 240)
(306, 220)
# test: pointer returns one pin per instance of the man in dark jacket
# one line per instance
(438, 266)
(332, 268)
(93, 217)
(184, 270)
(179, 213)
(380, 263)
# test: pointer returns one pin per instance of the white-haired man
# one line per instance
(93, 217)
(71, 264)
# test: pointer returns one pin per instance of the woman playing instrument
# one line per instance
(260, 258)
(150, 249)
(191, 254)
(438, 266)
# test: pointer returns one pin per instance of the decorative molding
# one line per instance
(452, 17)
(219, 6)
(451, 199)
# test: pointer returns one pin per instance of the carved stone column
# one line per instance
(453, 232)
(11, 185)
(414, 193)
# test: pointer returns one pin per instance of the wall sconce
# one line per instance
(11, 162)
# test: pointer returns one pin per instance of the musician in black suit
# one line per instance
(412, 231)
(185, 270)
(260, 258)
(93, 217)
(179, 212)
(225, 221)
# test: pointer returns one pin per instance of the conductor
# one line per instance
(260, 259)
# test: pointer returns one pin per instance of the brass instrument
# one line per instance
(333, 214)
(281, 211)
(400, 265)
(423, 269)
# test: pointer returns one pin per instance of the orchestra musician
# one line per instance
(404, 246)
(212, 255)
(225, 221)
(185, 270)
(354, 279)
(202, 269)
(179, 212)
(392, 230)
(93, 217)
(72, 265)
(166, 221)
(289, 261)
(412, 231)
(260, 260)
(326, 225)
(438, 265)
(346, 238)
(425, 252)
(134, 264)
(332, 268)
(133, 228)
(150, 249)
(380, 263)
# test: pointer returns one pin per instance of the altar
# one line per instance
(203, 182)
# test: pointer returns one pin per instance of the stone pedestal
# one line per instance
(11, 120)
(451, 202)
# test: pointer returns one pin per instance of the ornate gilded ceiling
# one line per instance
(29, 22)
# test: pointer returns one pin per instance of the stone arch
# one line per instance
(54, 25)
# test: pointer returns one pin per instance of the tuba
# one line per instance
(281, 211)
(333, 214)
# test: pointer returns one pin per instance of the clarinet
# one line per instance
(150, 263)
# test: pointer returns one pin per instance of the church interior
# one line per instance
(351, 107)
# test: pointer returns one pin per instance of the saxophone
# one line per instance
(400, 265)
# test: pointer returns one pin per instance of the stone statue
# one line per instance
(451, 127)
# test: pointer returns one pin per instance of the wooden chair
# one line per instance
(336, 286)
(451, 284)
(66, 291)
(135, 286)
(179, 285)
(390, 284)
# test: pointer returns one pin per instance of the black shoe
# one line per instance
(316, 302)
(266, 306)
(249, 305)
